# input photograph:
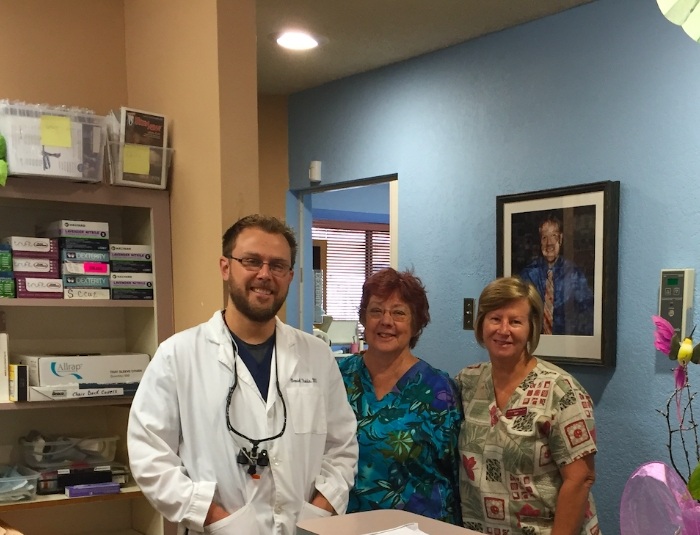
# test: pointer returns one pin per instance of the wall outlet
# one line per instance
(468, 314)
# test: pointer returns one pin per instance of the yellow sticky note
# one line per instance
(55, 131)
(137, 159)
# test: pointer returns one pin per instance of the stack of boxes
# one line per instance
(74, 260)
(79, 269)
(84, 253)
(132, 271)
(35, 267)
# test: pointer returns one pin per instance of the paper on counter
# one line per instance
(406, 529)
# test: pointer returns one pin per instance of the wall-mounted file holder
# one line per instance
(140, 166)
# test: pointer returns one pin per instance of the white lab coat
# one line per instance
(183, 456)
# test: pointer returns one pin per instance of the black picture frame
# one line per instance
(585, 329)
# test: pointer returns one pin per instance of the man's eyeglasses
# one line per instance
(397, 314)
(277, 267)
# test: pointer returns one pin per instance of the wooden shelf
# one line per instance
(33, 189)
(59, 500)
(93, 402)
(80, 303)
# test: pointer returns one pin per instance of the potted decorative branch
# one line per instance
(686, 430)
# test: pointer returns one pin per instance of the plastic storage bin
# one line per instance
(17, 483)
(53, 141)
(44, 452)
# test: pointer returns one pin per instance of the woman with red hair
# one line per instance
(408, 413)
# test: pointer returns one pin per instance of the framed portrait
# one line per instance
(564, 241)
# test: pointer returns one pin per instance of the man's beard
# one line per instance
(242, 304)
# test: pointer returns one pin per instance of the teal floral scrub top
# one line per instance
(408, 442)
(509, 477)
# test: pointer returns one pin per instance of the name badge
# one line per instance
(512, 413)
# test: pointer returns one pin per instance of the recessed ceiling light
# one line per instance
(295, 40)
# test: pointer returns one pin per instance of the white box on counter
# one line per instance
(51, 370)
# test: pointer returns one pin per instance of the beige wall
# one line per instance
(274, 167)
(69, 52)
(274, 155)
(196, 62)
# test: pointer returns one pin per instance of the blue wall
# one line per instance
(606, 91)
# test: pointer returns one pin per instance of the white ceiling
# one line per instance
(366, 34)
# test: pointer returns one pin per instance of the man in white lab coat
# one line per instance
(241, 425)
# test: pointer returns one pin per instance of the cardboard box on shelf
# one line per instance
(131, 285)
(7, 285)
(32, 246)
(51, 370)
(35, 267)
(18, 382)
(125, 258)
(39, 287)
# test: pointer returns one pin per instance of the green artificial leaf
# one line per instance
(694, 483)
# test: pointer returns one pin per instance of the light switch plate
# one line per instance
(468, 314)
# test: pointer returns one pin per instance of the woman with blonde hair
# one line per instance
(527, 442)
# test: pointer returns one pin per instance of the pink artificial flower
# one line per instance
(663, 334)
(680, 376)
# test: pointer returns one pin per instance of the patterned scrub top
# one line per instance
(509, 476)
(408, 442)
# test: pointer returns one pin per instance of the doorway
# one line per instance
(365, 201)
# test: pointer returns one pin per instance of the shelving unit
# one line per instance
(134, 215)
